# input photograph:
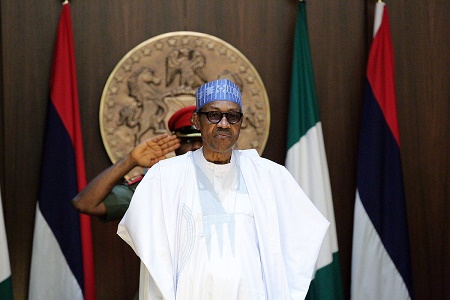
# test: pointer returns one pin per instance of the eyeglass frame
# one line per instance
(206, 113)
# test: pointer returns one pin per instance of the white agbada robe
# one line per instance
(244, 230)
(223, 252)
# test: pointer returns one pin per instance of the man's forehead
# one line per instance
(221, 105)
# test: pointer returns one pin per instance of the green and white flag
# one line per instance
(307, 162)
(6, 292)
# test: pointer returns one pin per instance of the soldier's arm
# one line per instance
(146, 154)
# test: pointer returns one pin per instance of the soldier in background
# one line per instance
(108, 196)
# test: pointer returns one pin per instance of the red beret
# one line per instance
(182, 118)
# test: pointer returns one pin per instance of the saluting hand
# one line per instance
(152, 150)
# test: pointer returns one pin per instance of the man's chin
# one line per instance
(222, 147)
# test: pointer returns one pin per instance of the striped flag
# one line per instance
(380, 258)
(307, 162)
(6, 292)
(62, 264)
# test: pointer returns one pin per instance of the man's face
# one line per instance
(188, 144)
(218, 138)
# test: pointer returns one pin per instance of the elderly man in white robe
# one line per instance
(219, 223)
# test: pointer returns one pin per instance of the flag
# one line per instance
(62, 260)
(6, 292)
(307, 162)
(380, 257)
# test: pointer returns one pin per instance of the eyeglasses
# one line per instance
(215, 116)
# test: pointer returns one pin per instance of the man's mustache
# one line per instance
(223, 131)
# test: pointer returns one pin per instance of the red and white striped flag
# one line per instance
(381, 258)
(62, 265)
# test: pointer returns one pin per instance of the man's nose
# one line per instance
(224, 122)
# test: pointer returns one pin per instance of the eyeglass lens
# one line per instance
(215, 116)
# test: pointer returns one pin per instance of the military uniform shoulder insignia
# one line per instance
(134, 180)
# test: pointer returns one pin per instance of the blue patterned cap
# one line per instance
(221, 89)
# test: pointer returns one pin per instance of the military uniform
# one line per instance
(118, 200)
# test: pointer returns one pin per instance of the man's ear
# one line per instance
(196, 121)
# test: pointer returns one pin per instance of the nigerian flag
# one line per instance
(306, 160)
(6, 292)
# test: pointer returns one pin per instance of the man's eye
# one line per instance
(215, 115)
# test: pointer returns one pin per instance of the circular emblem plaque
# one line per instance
(161, 75)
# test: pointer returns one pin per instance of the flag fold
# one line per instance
(6, 291)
